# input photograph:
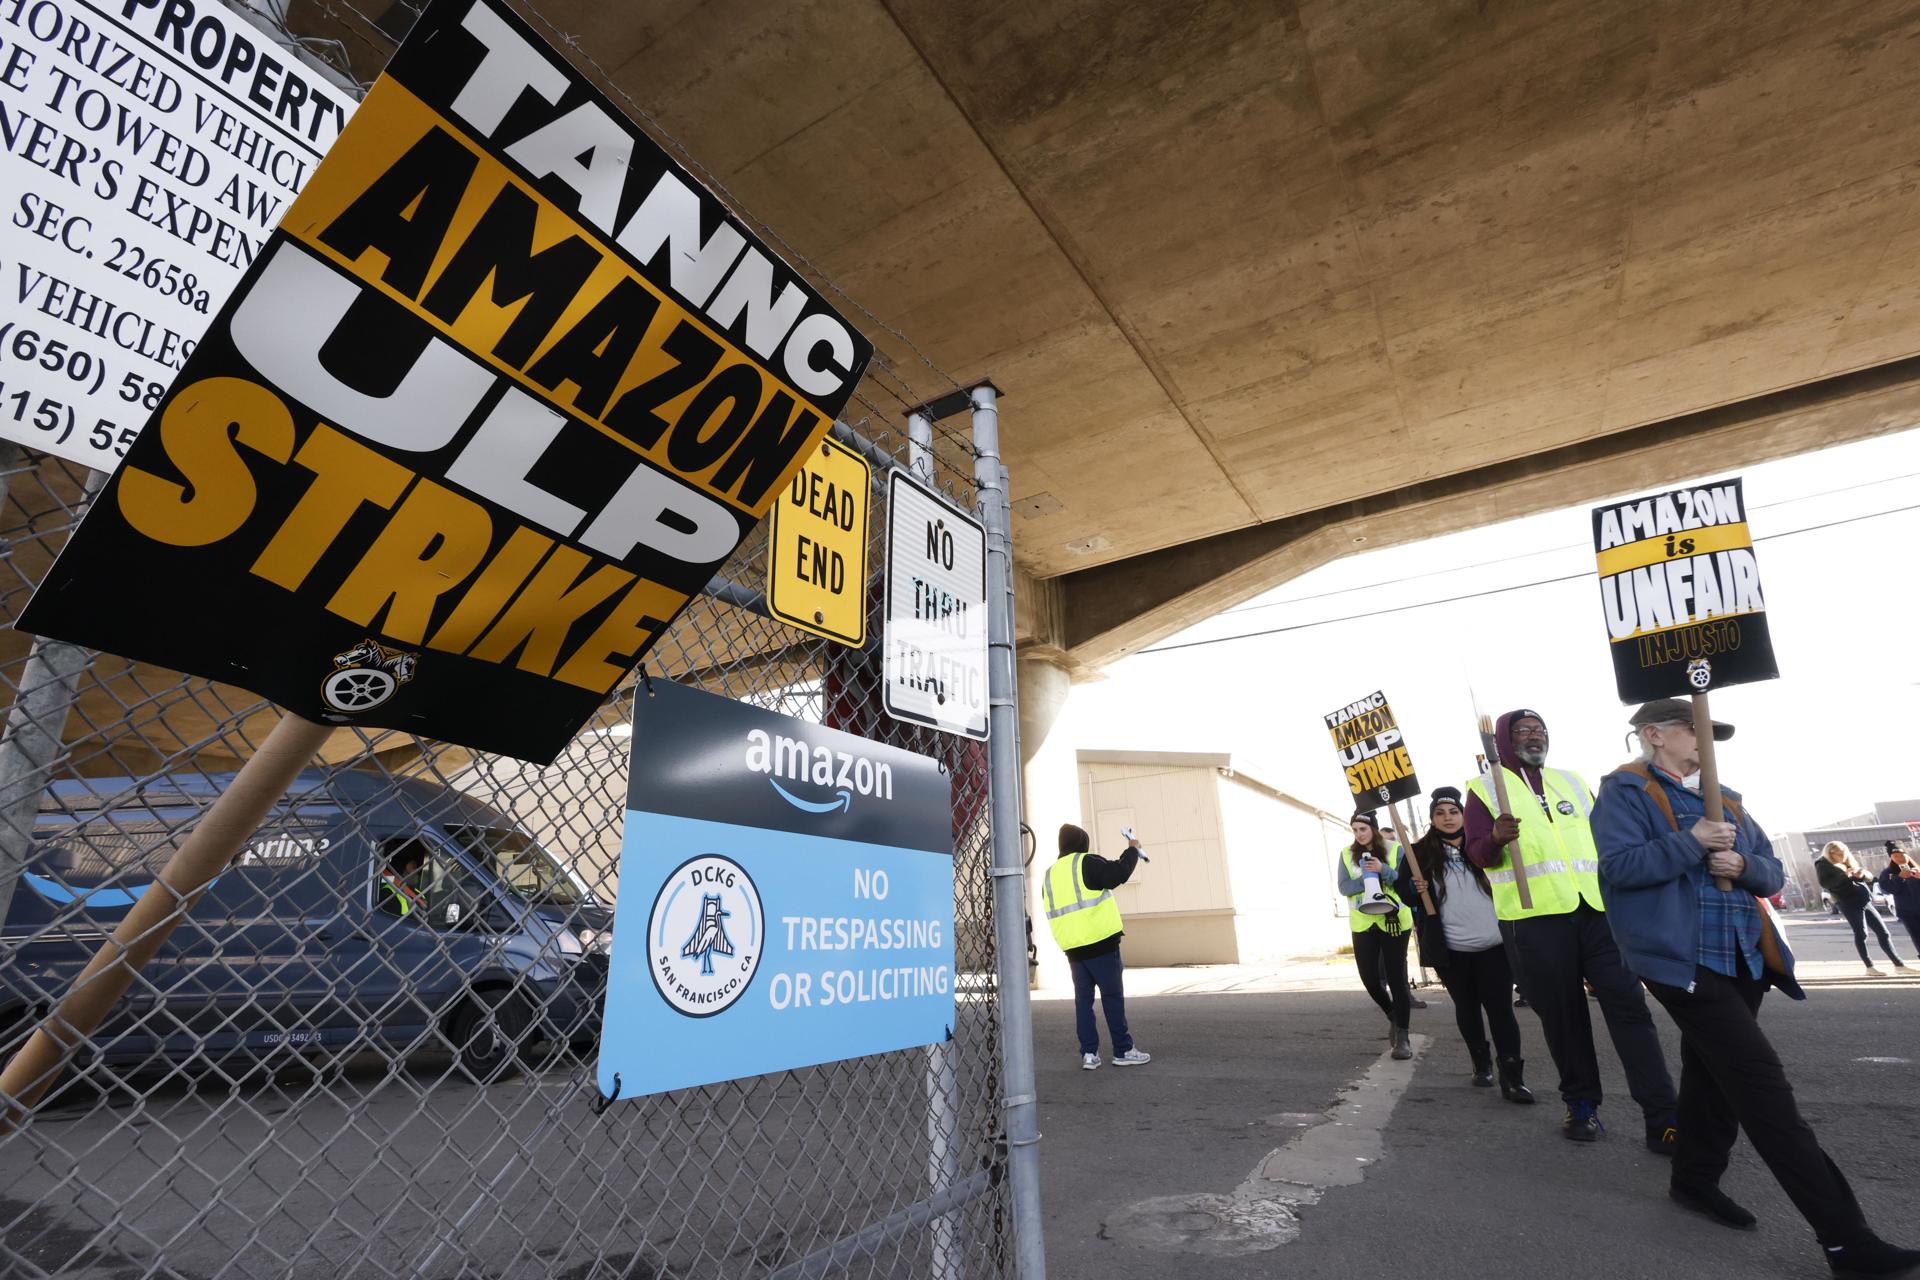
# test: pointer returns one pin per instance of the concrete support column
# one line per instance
(1051, 792)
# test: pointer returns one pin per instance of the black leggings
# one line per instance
(1860, 915)
(1375, 950)
(1481, 982)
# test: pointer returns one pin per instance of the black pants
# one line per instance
(1731, 1079)
(1482, 982)
(1381, 958)
(1860, 915)
(1913, 930)
(1555, 954)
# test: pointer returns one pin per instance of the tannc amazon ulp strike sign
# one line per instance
(1680, 589)
(1373, 751)
(786, 898)
(503, 390)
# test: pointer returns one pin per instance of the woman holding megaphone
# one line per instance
(1381, 925)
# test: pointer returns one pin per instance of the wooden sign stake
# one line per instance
(1709, 772)
(1499, 772)
(208, 849)
(1406, 851)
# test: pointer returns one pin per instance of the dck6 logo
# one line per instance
(705, 935)
(840, 774)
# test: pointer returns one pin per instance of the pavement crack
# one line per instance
(1263, 1212)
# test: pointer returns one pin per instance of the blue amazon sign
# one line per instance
(786, 898)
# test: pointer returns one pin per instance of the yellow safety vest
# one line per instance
(1359, 919)
(400, 897)
(1078, 916)
(1563, 866)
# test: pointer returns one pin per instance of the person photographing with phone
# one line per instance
(1901, 882)
(1078, 896)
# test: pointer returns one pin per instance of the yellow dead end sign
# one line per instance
(817, 567)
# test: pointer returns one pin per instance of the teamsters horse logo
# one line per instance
(703, 937)
(366, 676)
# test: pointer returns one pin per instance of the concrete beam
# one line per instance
(1120, 608)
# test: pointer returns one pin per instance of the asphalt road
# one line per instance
(1465, 1185)
(1415, 1172)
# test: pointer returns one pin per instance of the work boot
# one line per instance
(1872, 1257)
(1402, 1045)
(1713, 1203)
(1482, 1054)
(1512, 1087)
(1582, 1123)
(1663, 1136)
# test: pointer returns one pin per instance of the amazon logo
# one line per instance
(96, 898)
(806, 768)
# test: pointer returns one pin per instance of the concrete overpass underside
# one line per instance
(1264, 283)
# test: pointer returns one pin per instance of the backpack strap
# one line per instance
(1658, 794)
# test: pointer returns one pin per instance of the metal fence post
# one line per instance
(943, 1157)
(1009, 871)
(49, 685)
(920, 446)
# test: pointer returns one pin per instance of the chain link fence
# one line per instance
(318, 1076)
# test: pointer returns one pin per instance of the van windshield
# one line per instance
(522, 865)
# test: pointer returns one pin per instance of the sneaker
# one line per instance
(1089, 1062)
(1713, 1203)
(1874, 973)
(1663, 1139)
(1132, 1058)
(1872, 1257)
(1582, 1123)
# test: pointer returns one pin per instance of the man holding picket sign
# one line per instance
(1685, 869)
(1559, 930)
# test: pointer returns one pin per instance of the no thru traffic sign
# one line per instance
(817, 568)
(935, 663)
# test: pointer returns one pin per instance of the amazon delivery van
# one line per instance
(368, 912)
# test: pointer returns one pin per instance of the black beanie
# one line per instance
(1073, 839)
(1366, 816)
(1446, 795)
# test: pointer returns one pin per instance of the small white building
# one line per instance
(1241, 871)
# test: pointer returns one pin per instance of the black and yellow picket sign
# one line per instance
(1680, 589)
(817, 546)
(499, 396)
(1372, 751)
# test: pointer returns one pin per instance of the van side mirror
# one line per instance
(450, 916)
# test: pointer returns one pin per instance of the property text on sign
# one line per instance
(503, 391)
(817, 546)
(149, 148)
(1680, 589)
(1373, 753)
(935, 651)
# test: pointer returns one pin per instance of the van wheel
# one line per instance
(487, 1032)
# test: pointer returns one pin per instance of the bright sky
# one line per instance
(1825, 741)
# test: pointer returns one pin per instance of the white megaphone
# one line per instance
(1372, 901)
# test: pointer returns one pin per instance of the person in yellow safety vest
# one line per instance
(1562, 941)
(399, 881)
(1078, 896)
(1379, 939)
